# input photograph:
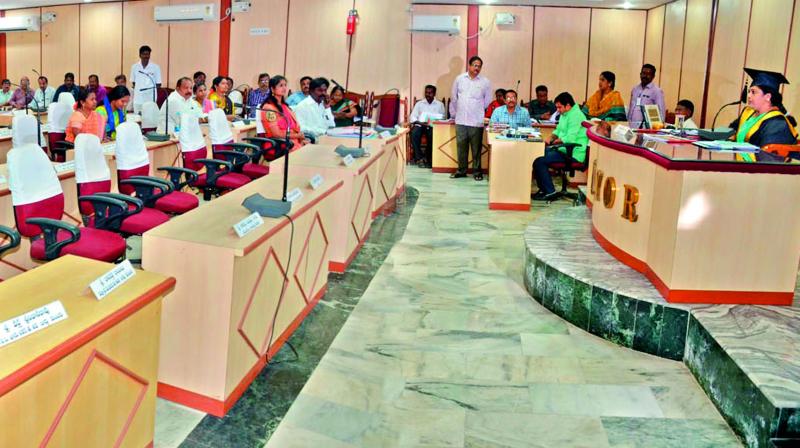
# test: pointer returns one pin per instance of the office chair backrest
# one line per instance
(131, 152)
(260, 124)
(23, 130)
(91, 170)
(219, 130)
(191, 137)
(35, 188)
(58, 116)
(150, 115)
(66, 98)
(236, 97)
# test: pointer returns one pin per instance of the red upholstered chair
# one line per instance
(9, 239)
(223, 147)
(133, 175)
(568, 167)
(38, 203)
(93, 178)
(218, 177)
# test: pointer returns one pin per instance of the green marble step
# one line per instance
(745, 357)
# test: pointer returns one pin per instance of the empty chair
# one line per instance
(237, 99)
(94, 178)
(218, 176)
(38, 203)
(150, 116)
(222, 146)
(9, 239)
(133, 173)
(66, 98)
(58, 116)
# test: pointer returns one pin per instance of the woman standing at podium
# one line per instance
(764, 121)
(277, 117)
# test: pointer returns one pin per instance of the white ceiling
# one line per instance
(635, 4)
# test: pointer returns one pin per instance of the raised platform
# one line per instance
(746, 358)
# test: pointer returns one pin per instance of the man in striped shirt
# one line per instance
(511, 114)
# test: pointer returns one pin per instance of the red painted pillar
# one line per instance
(225, 37)
(473, 28)
(3, 61)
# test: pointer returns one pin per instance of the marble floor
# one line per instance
(445, 348)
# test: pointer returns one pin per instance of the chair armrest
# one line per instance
(176, 173)
(260, 141)
(13, 237)
(310, 136)
(148, 189)
(212, 168)
(108, 211)
(64, 144)
(50, 228)
(253, 151)
(137, 203)
(235, 158)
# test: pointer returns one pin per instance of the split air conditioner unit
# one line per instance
(436, 24)
(21, 23)
(205, 12)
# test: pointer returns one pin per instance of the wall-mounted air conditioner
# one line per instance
(206, 12)
(21, 23)
(436, 24)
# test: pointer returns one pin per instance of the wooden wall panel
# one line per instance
(730, 44)
(791, 93)
(24, 52)
(317, 44)
(60, 42)
(438, 58)
(139, 28)
(506, 50)
(561, 50)
(695, 50)
(251, 55)
(653, 35)
(606, 53)
(193, 46)
(769, 31)
(669, 73)
(381, 51)
(101, 41)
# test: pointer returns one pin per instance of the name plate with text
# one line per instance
(31, 322)
(294, 195)
(248, 224)
(348, 160)
(112, 279)
(316, 181)
(64, 166)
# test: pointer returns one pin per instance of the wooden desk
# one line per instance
(705, 231)
(88, 380)
(445, 153)
(7, 117)
(510, 173)
(217, 328)
(356, 198)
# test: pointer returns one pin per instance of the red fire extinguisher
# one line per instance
(352, 17)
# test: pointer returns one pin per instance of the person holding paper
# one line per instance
(511, 114)
(423, 112)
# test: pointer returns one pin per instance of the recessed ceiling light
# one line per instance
(627, 5)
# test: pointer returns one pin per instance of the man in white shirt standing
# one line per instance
(179, 103)
(143, 75)
(314, 113)
(44, 94)
(422, 114)
(470, 96)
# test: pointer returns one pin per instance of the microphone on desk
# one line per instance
(274, 208)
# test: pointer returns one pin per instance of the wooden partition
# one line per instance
(507, 49)
(669, 70)
(617, 47)
(437, 58)
(24, 50)
(101, 41)
(251, 55)
(654, 34)
(139, 28)
(60, 42)
(562, 67)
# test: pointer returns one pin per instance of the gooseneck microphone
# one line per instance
(742, 99)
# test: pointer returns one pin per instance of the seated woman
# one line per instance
(85, 119)
(764, 120)
(200, 104)
(606, 103)
(277, 117)
(114, 105)
(343, 109)
(219, 96)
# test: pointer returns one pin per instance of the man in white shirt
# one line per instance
(44, 94)
(422, 114)
(314, 113)
(179, 103)
(143, 75)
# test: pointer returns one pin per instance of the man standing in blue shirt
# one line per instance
(510, 113)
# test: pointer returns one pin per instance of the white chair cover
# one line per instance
(150, 115)
(260, 124)
(236, 97)
(31, 177)
(67, 98)
(58, 116)
(219, 129)
(131, 151)
(191, 136)
(19, 113)
(23, 130)
(90, 162)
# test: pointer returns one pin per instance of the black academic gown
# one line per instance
(772, 130)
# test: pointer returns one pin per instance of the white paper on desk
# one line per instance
(294, 195)
(64, 166)
(26, 324)
(248, 224)
(238, 124)
(112, 279)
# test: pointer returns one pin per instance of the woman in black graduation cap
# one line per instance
(764, 121)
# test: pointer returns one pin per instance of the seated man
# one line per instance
(569, 130)
(499, 100)
(44, 94)
(5, 93)
(540, 108)
(99, 90)
(424, 111)
(314, 113)
(22, 95)
(685, 108)
(295, 98)
(179, 103)
(199, 77)
(511, 114)
(121, 80)
(68, 86)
